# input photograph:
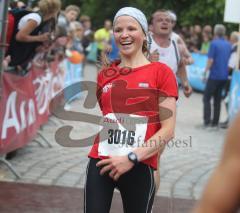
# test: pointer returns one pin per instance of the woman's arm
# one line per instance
(23, 34)
(158, 141)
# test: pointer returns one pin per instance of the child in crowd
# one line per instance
(75, 37)
(69, 15)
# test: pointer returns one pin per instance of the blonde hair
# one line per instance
(74, 25)
(48, 7)
(84, 18)
(72, 7)
(235, 35)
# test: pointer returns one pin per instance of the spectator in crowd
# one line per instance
(102, 37)
(217, 65)
(205, 43)
(88, 33)
(195, 38)
(208, 30)
(12, 5)
(75, 37)
(87, 24)
(70, 14)
(233, 58)
(232, 64)
(222, 191)
(17, 5)
(28, 34)
(198, 34)
(114, 51)
(21, 5)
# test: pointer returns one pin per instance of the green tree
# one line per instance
(189, 12)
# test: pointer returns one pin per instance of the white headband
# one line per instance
(136, 14)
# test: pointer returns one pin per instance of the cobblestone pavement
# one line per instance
(185, 165)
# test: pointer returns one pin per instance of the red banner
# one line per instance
(25, 102)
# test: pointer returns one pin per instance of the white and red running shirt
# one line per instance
(129, 100)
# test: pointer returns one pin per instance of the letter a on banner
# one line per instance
(10, 118)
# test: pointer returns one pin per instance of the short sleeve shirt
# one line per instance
(135, 91)
(31, 16)
(219, 52)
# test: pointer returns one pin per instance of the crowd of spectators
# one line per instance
(45, 22)
(30, 29)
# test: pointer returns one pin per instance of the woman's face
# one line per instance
(128, 35)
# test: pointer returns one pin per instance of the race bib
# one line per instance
(121, 134)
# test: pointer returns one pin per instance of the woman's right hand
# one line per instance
(43, 37)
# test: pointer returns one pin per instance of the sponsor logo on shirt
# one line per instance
(143, 85)
(107, 87)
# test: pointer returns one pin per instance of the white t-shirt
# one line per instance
(167, 55)
(232, 63)
(33, 16)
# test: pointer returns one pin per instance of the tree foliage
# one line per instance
(189, 12)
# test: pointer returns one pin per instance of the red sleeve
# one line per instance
(99, 88)
(166, 81)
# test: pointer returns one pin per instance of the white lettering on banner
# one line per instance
(57, 83)
(46, 89)
(42, 92)
(11, 119)
(23, 115)
(31, 112)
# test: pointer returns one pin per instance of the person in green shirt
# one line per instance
(205, 43)
(102, 37)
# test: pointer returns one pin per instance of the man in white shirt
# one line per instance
(167, 51)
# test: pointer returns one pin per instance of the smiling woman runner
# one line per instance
(138, 102)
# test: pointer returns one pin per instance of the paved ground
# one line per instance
(33, 198)
(185, 166)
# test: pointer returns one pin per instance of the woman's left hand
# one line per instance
(117, 166)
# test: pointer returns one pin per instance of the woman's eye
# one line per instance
(131, 28)
(117, 30)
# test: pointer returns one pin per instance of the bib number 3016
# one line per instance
(118, 136)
